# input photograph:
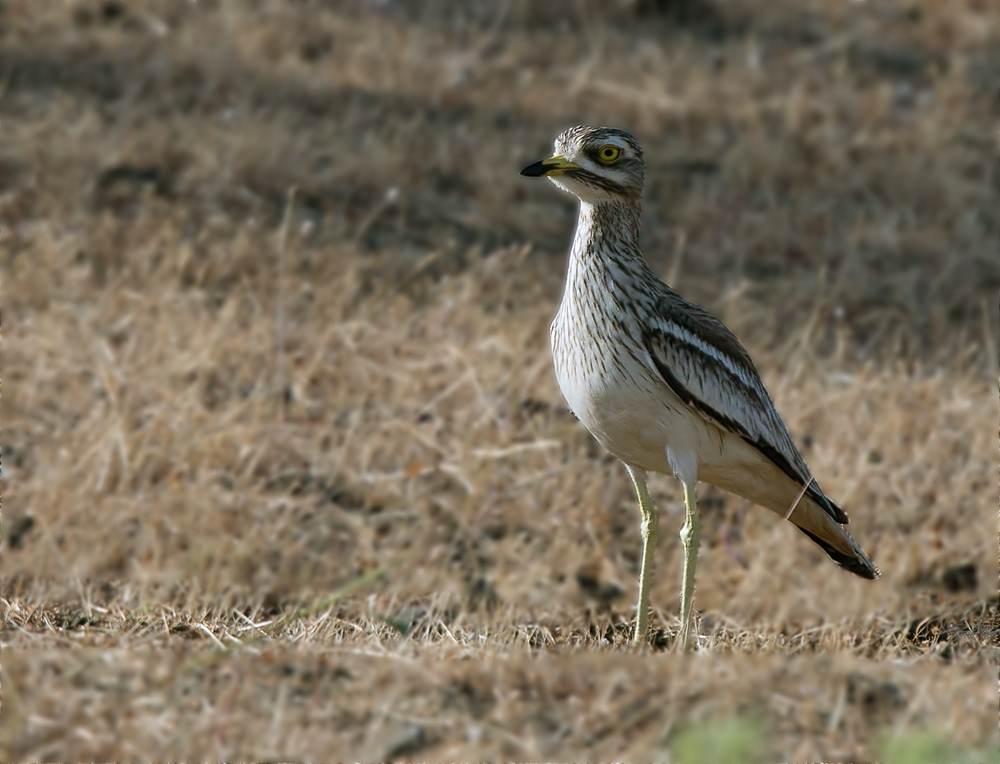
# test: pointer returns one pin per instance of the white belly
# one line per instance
(624, 403)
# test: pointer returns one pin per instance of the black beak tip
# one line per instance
(536, 170)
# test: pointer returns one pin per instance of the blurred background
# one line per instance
(832, 151)
(277, 309)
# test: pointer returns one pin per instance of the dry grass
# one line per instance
(378, 506)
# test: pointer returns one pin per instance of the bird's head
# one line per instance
(595, 164)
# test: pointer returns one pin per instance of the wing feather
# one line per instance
(707, 368)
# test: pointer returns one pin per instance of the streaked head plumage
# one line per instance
(595, 164)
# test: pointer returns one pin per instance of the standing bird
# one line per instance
(661, 383)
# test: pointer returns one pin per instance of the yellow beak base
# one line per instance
(552, 166)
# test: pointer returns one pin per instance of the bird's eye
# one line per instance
(609, 154)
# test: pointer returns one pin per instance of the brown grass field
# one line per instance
(286, 471)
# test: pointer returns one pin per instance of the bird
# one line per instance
(660, 382)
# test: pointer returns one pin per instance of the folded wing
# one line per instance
(707, 368)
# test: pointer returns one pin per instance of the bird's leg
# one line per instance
(650, 520)
(689, 538)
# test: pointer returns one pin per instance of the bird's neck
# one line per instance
(605, 254)
(608, 230)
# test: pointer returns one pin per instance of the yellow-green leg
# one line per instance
(650, 521)
(689, 538)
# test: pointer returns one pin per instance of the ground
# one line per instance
(286, 470)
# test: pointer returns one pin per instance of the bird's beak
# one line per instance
(552, 166)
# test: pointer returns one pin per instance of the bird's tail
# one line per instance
(818, 525)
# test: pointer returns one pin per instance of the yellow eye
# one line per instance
(609, 154)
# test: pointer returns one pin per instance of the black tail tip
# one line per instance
(861, 567)
(858, 563)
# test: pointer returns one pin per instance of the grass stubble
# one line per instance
(288, 474)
